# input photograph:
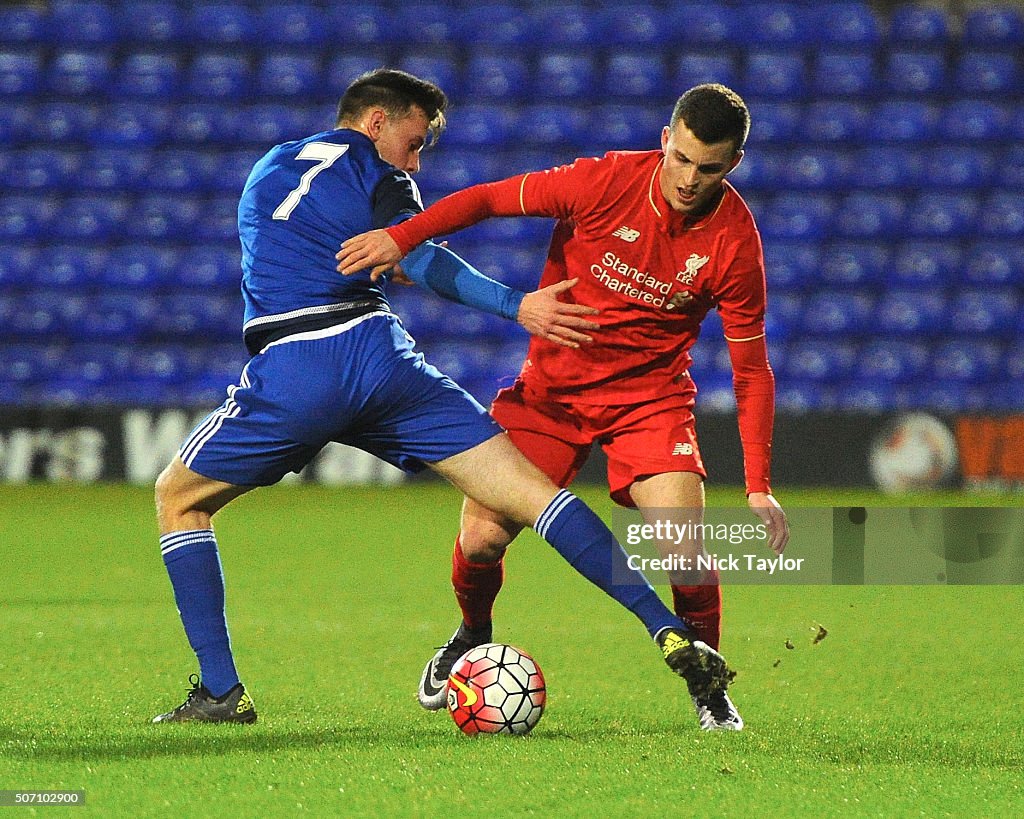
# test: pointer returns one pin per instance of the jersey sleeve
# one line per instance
(395, 199)
(741, 303)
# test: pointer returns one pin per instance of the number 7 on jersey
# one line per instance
(326, 154)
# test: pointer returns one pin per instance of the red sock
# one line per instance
(700, 607)
(476, 585)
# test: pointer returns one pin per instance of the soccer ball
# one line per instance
(496, 689)
(916, 451)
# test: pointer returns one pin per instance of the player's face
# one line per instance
(401, 140)
(693, 171)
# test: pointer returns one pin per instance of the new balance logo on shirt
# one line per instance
(627, 234)
(682, 449)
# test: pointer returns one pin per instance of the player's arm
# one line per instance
(742, 307)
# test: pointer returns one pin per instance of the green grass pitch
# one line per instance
(336, 598)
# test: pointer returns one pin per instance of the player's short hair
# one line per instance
(713, 113)
(396, 92)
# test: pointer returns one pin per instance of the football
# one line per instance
(496, 689)
(916, 451)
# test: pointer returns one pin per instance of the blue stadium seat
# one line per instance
(161, 218)
(83, 23)
(980, 72)
(131, 124)
(115, 169)
(773, 121)
(989, 262)
(17, 266)
(296, 76)
(707, 25)
(222, 24)
(874, 396)
(965, 360)
(994, 27)
(564, 75)
(632, 75)
(892, 361)
(1002, 215)
(968, 120)
(141, 267)
(40, 169)
(25, 217)
(812, 168)
(61, 122)
(844, 74)
(80, 74)
(915, 72)
(300, 25)
(21, 73)
(23, 24)
(209, 268)
(942, 215)
(97, 363)
(700, 67)
(219, 220)
(149, 76)
(423, 22)
(47, 315)
(887, 166)
(482, 125)
(122, 317)
(563, 24)
(914, 314)
(804, 216)
(496, 76)
(17, 120)
(775, 74)
(554, 125)
(868, 215)
(838, 314)
(846, 264)
(1007, 398)
(626, 127)
(819, 360)
(506, 24)
(760, 170)
(633, 24)
(224, 77)
(198, 318)
(93, 218)
(959, 167)
(927, 263)
(341, 69)
(27, 364)
(71, 267)
(985, 312)
(1012, 365)
(790, 265)
(1011, 168)
(850, 24)
(274, 123)
(153, 24)
(183, 170)
(359, 24)
(798, 397)
(904, 121)
(437, 66)
(775, 24)
(920, 25)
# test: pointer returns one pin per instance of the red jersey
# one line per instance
(652, 273)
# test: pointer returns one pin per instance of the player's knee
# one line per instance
(169, 497)
(485, 541)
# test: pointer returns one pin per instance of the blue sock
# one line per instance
(194, 566)
(581, 537)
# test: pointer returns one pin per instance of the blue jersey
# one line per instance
(300, 202)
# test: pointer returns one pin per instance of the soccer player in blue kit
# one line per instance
(331, 362)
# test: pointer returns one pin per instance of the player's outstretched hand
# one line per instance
(542, 314)
(371, 249)
(768, 509)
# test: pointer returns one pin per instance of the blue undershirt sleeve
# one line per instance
(453, 278)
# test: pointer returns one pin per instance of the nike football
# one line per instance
(496, 689)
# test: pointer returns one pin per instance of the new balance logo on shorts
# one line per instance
(627, 234)
(682, 449)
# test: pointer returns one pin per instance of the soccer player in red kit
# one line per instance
(656, 239)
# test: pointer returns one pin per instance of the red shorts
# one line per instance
(640, 440)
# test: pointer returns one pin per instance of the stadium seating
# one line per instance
(884, 167)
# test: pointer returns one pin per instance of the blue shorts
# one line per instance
(359, 383)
